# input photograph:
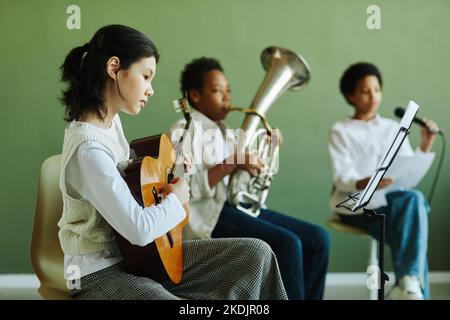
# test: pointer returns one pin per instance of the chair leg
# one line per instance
(373, 261)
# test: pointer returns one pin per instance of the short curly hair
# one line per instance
(356, 72)
(193, 75)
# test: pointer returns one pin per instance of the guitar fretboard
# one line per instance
(181, 149)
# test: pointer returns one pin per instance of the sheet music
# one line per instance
(407, 172)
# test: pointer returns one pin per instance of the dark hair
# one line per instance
(356, 72)
(84, 68)
(193, 75)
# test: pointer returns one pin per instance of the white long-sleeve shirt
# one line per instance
(355, 148)
(92, 175)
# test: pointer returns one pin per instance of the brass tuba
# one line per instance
(284, 70)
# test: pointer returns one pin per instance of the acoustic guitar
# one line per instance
(156, 164)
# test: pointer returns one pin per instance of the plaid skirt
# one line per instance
(223, 269)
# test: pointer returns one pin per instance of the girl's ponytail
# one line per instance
(71, 67)
(71, 74)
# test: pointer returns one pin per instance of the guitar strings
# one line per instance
(178, 169)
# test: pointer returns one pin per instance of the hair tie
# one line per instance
(86, 46)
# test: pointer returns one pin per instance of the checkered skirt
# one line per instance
(224, 269)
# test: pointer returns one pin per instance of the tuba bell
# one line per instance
(284, 70)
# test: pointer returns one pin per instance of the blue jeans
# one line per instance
(301, 248)
(406, 233)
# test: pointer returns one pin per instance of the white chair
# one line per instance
(335, 224)
(47, 257)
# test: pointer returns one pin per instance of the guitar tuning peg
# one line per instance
(176, 105)
(181, 105)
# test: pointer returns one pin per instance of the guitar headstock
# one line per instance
(182, 105)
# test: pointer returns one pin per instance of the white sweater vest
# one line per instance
(82, 229)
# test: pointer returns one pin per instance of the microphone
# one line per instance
(399, 112)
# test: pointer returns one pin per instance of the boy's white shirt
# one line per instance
(205, 203)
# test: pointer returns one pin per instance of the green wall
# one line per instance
(412, 51)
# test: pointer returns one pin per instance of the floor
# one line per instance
(340, 286)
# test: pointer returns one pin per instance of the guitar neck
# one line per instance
(178, 168)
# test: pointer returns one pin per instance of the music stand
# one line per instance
(362, 201)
